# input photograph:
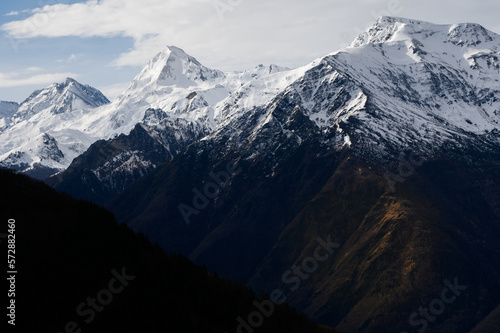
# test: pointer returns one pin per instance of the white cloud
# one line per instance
(33, 69)
(13, 13)
(243, 33)
(237, 34)
(10, 80)
(72, 58)
(105, 18)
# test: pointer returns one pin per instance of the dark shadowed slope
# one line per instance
(69, 252)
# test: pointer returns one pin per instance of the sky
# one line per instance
(105, 43)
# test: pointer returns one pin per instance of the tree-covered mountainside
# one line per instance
(79, 271)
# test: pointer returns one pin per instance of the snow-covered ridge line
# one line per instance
(401, 78)
(391, 29)
(76, 115)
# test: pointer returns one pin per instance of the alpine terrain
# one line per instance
(388, 149)
(41, 136)
(363, 187)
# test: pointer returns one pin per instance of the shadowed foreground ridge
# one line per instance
(69, 251)
(397, 247)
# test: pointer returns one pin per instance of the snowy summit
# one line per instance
(401, 83)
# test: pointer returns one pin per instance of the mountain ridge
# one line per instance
(61, 98)
(424, 106)
(37, 126)
(355, 147)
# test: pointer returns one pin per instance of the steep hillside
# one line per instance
(78, 269)
(396, 247)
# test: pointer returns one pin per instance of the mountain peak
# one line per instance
(384, 30)
(178, 52)
(392, 29)
(62, 97)
(173, 66)
(68, 83)
(469, 34)
(69, 80)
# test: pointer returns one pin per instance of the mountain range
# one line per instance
(388, 149)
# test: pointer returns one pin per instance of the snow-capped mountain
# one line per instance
(424, 83)
(192, 97)
(176, 101)
(178, 84)
(401, 85)
(40, 135)
(402, 82)
(60, 98)
(172, 81)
